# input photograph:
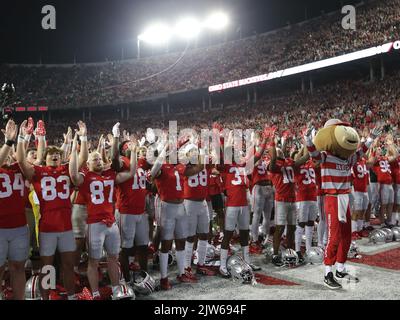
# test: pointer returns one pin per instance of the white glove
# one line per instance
(115, 130)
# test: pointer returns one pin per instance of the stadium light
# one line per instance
(217, 21)
(188, 28)
(156, 34)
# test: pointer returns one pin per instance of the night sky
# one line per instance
(96, 30)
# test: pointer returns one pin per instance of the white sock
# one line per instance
(328, 269)
(354, 226)
(163, 265)
(360, 224)
(180, 260)
(188, 254)
(131, 259)
(223, 258)
(72, 297)
(298, 235)
(246, 255)
(309, 234)
(284, 232)
(340, 267)
(96, 294)
(201, 252)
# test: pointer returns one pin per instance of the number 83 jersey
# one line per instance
(53, 188)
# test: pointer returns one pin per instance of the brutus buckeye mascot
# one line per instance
(337, 148)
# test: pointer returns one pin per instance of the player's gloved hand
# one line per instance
(115, 130)
(376, 132)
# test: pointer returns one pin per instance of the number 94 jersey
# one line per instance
(53, 188)
(283, 180)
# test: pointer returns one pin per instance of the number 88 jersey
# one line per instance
(53, 188)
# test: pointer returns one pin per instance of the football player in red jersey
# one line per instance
(195, 186)
(306, 201)
(237, 209)
(395, 168)
(282, 168)
(382, 162)
(97, 188)
(173, 219)
(14, 232)
(53, 187)
(131, 204)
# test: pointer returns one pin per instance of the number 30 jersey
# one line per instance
(283, 180)
(131, 195)
(98, 192)
(53, 188)
(13, 197)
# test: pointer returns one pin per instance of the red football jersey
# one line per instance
(395, 167)
(214, 184)
(260, 172)
(196, 186)
(283, 180)
(170, 182)
(53, 187)
(13, 197)
(306, 187)
(360, 176)
(383, 171)
(98, 191)
(79, 197)
(131, 195)
(235, 185)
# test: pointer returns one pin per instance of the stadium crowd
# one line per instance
(124, 81)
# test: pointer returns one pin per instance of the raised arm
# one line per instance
(126, 175)
(393, 153)
(302, 157)
(314, 153)
(27, 169)
(116, 163)
(77, 179)
(84, 152)
(155, 170)
(10, 133)
(67, 144)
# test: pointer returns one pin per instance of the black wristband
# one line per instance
(10, 142)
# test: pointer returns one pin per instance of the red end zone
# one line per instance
(270, 281)
(389, 259)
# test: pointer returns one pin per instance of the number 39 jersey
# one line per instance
(235, 185)
(196, 186)
(131, 195)
(98, 191)
(306, 188)
(13, 196)
(283, 180)
(170, 182)
(53, 188)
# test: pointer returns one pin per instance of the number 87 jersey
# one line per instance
(53, 188)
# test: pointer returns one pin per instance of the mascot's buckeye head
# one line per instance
(338, 138)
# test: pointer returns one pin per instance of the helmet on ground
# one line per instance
(32, 290)
(124, 291)
(396, 233)
(389, 234)
(144, 283)
(377, 236)
(315, 255)
(290, 258)
(240, 269)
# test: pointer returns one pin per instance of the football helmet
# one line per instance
(315, 255)
(290, 258)
(269, 251)
(212, 257)
(32, 290)
(377, 236)
(396, 233)
(124, 291)
(389, 234)
(240, 269)
(353, 251)
(144, 283)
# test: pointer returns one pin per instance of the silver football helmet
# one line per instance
(389, 234)
(315, 255)
(353, 251)
(212, 257)
(240, 269)
(290, 258)
(269, 252)
(32, 290)
(123, 292)
(144, 283)
(377, 236)
(396, 233)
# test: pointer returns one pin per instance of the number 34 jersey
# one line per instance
(131, 195)
(53, 188)
(283, 180)
(98, 192)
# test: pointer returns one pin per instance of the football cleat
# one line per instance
(164, 284)
(364, 233)
(189, 273)
(347, 276)
(205, 271)
(185, 278)
(331, 282)
(355, 236)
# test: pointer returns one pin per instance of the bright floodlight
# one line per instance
(156, 34)
(188, 28)
(217, 21)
